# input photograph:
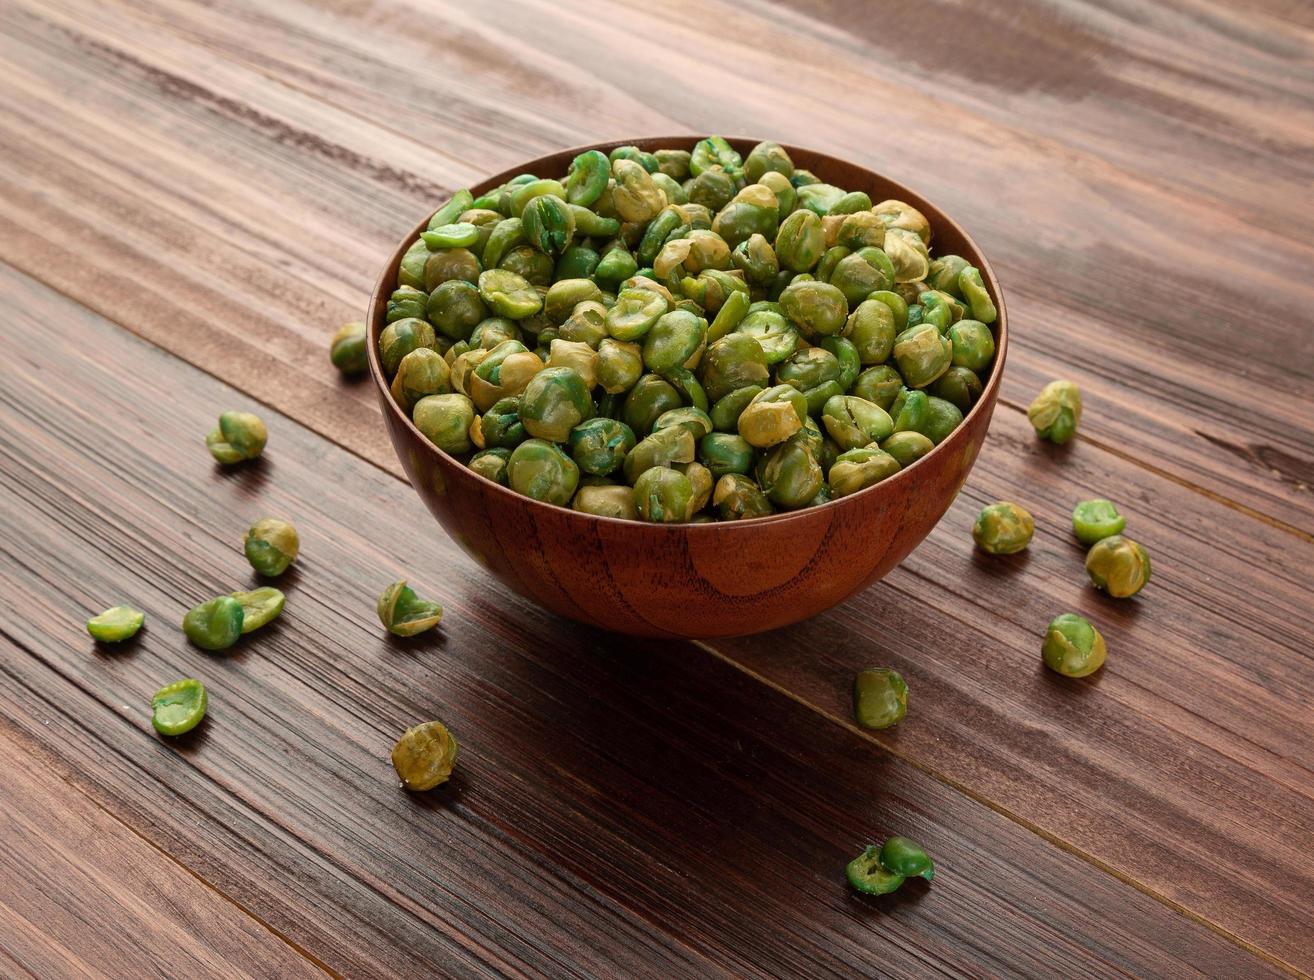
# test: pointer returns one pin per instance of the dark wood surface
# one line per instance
(224, 181)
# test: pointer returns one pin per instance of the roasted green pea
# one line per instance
(616, 264)
(1095, 520)
(904, 857)
(943, 274)
(772, 416)
(445, 421)
(508, 294)
(503, 372)
(491, 463)
(425, 756)
(972, 289)
(459, 235)
(456, 308)
(1072, 646)
(577, 262)
(271, 546)
(414, 262)
(910, 411)
(554, 402)
(732, 362)
(688, 417)
(214, 625)
(578, 356)
(959, 385)
(714, 151)
(800, 241)
(740, 220)
(722, 453)
(973, 344)
(773, 333)
(406, 301)
(1119, 566)
(116, 624)
(599, 446)
(549, 224)
(907, 447)
(880, 384)
(871, 329)
(505, 236)
(789, 474)
(1003, 528)
(620, 365)
(606, 501)
(867, 875)
(942, 417)
(672, 189)
(880, 697)
(647, 400)
(780, 186)
(635, 312)
(404, 613)
(177, 708)
(818, 309)
(635, 195)
(725, 412)
(449, 264)
(663, 496)
(767, 157)
(897, 214)
(540, 470)
(736, 497)
(529, 263)
(259, 606)
(453, 208)
(675, 338)
(858, 469)
(240, 436)
(421, 372)
(565, 296)
(663, 448)
(922, 355)
(1056, 411)
(494, 330)
(588, 177)
(819, 197)
(348, 347)
(527, 191)
(673, 163)
(855, 422)
(907, 254)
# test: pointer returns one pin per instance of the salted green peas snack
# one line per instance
(259, 606)
(347, 349)
(425, 756)
(880, 697)
(1056, 411)
(1095, 520)
(907, 858)
(240, 436)
(116, 624)
(214, 625)
(550, 332)
(177, 708)
(1072, 646)
(868, 875)
(1003, 528)
(1118, 566)
(271, 546)
(404, 613)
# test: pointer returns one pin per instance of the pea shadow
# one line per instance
(910, 893)
(1077, 687)
(434, 639)
(1005, 566)
(284, 583)
(448, 796)
(121, 648)
(188, 743)
(250, 476)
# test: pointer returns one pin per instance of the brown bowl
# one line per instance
(695, 580)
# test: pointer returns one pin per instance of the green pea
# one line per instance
(445, 421)
(959, 385)
(722, 453)
(808, 368)
(1056, 411)
(348, 347)
(259, 606)
(816, 308)
(532, 189)
(858, 469)
(115, 624)
(271, 546)
(779, 185)
(693, 419)
(852, 202)
(647, 400)
(675, 338)
(459, 235)
(756, 259)
(855, 422)
(421, 372)
(880, 697)
(714, 151)
(540, 470)
(800, 241)
(871, 329)
(620, 365)
(773, 333)
(606, 501)
(405, 301)
(1072, 646)
(973, 344)
(909, 259)
(904, 857)
(789, 474)
(1003, 528)
(736, 497)
(1095, 520)
(240, 436)
(403, 613)
(670, 187)
(880, 384)
(177, 708)
(577, 262)
(767, 157)
(907, 447)
(501, 425)
(508, 294)
(455, 309)
(636, 197)
(554, 402)
(911, 411)
(819, 197)
(673, 163)
(731, 314)
(922, 355)
(214, 625)
(664, 447)
(945, 272)
(942, 417)
(529, 263)
(738, 221)
(861, 229)
(414, 262)
(867, 875)
(635, 312)
(453, 208)
(491, 463)
(588, 177)
(663, 496)
(424, 756)
(449, 264)
(505, 236)
(549, 224)
(772, 416)
(972, 289)
(1118, 566)
(727, 409)
(599, 445)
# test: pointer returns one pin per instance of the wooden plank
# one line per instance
(1187, 763)
(209, 170)
(81, 894)
(619, 808)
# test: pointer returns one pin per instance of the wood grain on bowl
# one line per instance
(695, 580)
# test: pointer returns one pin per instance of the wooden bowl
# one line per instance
(695, 580)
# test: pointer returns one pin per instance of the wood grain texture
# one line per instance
(341, 125)
(82, 895)
(633, 809)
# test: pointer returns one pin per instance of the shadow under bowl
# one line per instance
(696, 581)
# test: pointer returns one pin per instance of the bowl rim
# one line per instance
(386, 283)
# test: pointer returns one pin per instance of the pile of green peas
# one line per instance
(683, 335)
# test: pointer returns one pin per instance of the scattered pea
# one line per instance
(348, 347)
(404, 613)
(867, 875)
(116, 624)
(271, 545)
(425, 756)
(214, 625)
(259, 606)
(1095, 520)
(905, 857)
(178, 707)
(1056, 411)
(1073, 647)
(1118, 566)
(880, 697)
(1003, 528)
(240, 436)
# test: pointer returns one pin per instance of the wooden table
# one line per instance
(194, 195)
